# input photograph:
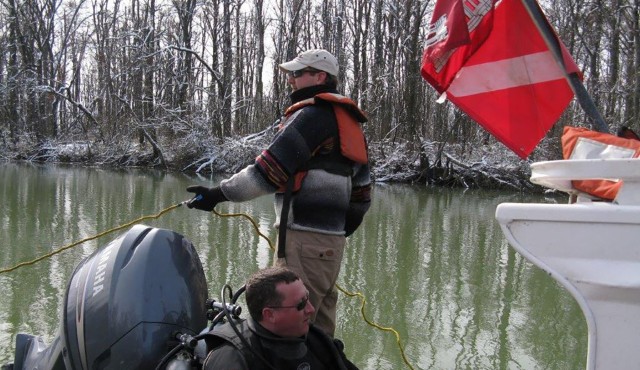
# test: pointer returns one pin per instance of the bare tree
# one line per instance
(225, 89)
(632, 93)
(260, 27)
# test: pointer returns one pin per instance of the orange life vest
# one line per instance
(349, 116)
(581, 143)
(352, 142)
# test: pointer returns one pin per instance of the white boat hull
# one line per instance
(593, 250)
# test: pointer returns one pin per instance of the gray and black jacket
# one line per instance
(330, 200)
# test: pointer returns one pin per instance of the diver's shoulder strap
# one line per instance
(284, 217)
(224, 334)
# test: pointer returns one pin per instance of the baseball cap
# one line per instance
(315, 58)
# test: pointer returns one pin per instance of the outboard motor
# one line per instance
(125, 305)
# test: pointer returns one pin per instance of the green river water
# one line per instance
(432, 264)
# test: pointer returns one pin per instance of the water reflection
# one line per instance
(436, 267)
(432, 263)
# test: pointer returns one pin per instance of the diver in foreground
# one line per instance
(279, 334)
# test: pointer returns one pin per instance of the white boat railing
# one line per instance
(559, 174)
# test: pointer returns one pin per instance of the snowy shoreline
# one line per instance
(488, 166)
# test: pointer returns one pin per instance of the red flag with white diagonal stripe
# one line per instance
(511, 84)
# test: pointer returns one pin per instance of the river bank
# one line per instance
(433, 163)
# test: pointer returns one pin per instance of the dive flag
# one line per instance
(511, 84)
(456, 31)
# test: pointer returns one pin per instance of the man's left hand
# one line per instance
(205, 198)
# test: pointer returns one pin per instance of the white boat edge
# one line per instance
(574, 244)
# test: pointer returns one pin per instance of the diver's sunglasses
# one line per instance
(300, 72)
(299, 307)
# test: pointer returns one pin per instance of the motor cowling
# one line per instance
(126, 302)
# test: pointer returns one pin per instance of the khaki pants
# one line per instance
(316, 258)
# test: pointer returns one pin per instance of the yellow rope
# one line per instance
(253, 222)
(61, 249)
(377, 326)
(350, 294)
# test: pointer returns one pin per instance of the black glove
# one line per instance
(205, 198)
(352, 221)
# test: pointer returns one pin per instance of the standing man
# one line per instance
(278, 334)
(317, 165)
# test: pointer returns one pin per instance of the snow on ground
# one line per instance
(399, 161)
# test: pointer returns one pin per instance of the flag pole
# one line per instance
(578, 88)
